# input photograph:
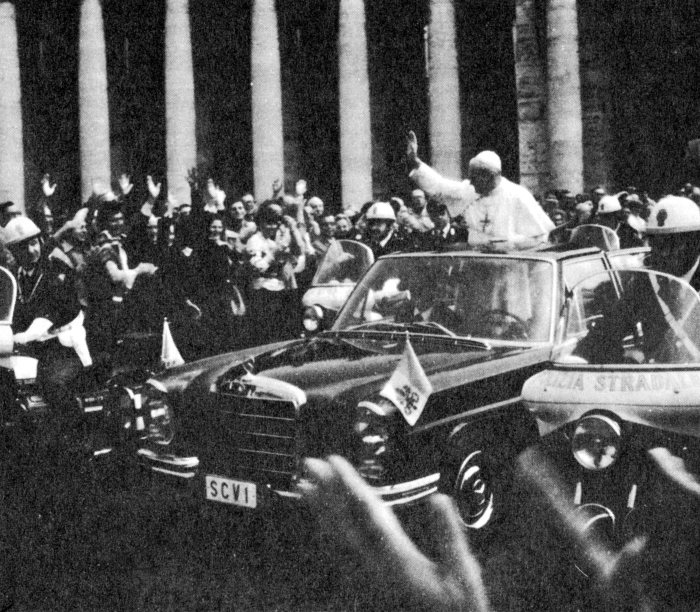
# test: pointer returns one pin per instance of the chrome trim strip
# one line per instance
(274, 389)
(157, 385)
(468, 413)
(291, 494)
(254, 451)
(252, 415)
(406, 500)
(187, 475)
(185, 462)
(404, 487)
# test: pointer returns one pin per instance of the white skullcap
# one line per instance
(488, 160)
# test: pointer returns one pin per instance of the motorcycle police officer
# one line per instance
(48, 312)
(647, 308)
(673, 230)
(381, 235)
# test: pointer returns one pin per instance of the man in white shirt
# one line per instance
(499, 213)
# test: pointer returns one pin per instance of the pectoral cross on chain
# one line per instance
(485, 222)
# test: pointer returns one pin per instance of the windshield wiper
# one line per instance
(416, 327)
(381, 325)
(392, 326)
(433, 325)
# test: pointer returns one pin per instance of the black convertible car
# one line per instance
(417, 382)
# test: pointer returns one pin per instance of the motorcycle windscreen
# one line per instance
(631, 317)
(8, 295)
(344, 263)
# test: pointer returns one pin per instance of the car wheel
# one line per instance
(473, 491)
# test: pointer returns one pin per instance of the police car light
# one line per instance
(597, 441)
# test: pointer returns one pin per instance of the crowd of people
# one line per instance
(230, 272)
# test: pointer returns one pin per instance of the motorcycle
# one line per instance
(31, 426)
(619, 416)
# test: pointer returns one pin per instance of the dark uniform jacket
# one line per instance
(437, 239)
(395, 244)
(49, 293)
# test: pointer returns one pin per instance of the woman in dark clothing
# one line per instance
(217, 272)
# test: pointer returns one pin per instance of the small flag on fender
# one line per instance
(408, 388)
(169, 355)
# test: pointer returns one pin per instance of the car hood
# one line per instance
(664, 399)
(327, 368)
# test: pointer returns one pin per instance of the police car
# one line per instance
(417, 382)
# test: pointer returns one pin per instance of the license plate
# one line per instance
(229, 491)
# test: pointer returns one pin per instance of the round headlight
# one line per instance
(372, 431)
(596, 442)
(158, 414)
(313, 315)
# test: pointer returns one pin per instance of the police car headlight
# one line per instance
(597, 441)
(372, 431)
(157, 414)
(313, 318)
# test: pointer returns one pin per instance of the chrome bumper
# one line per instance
(171, 465)
(407, 492)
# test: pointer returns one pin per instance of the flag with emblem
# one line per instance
(169, 355)
(408, 388)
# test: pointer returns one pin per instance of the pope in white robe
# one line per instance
(499, 213)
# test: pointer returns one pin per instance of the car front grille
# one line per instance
(252, 439)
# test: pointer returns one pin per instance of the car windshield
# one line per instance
(343, 264)
(631, 317)
(477, 296)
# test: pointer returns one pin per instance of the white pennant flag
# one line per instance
(408, 388)
(169, 355)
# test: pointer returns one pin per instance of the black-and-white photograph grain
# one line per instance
(349, 305)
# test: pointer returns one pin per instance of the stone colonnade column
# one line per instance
(268, 139)
(11, 148)
(595, 32)
(180, 119)
(443, 91)
(531, 92)
(564, 96)
(94, 107)
(355, 126)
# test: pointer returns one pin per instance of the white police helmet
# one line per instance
(20, 229)
(674, 215)
(609, 204)
(381, 210)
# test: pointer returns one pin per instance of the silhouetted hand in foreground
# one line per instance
(349, 509)
(615, 574)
